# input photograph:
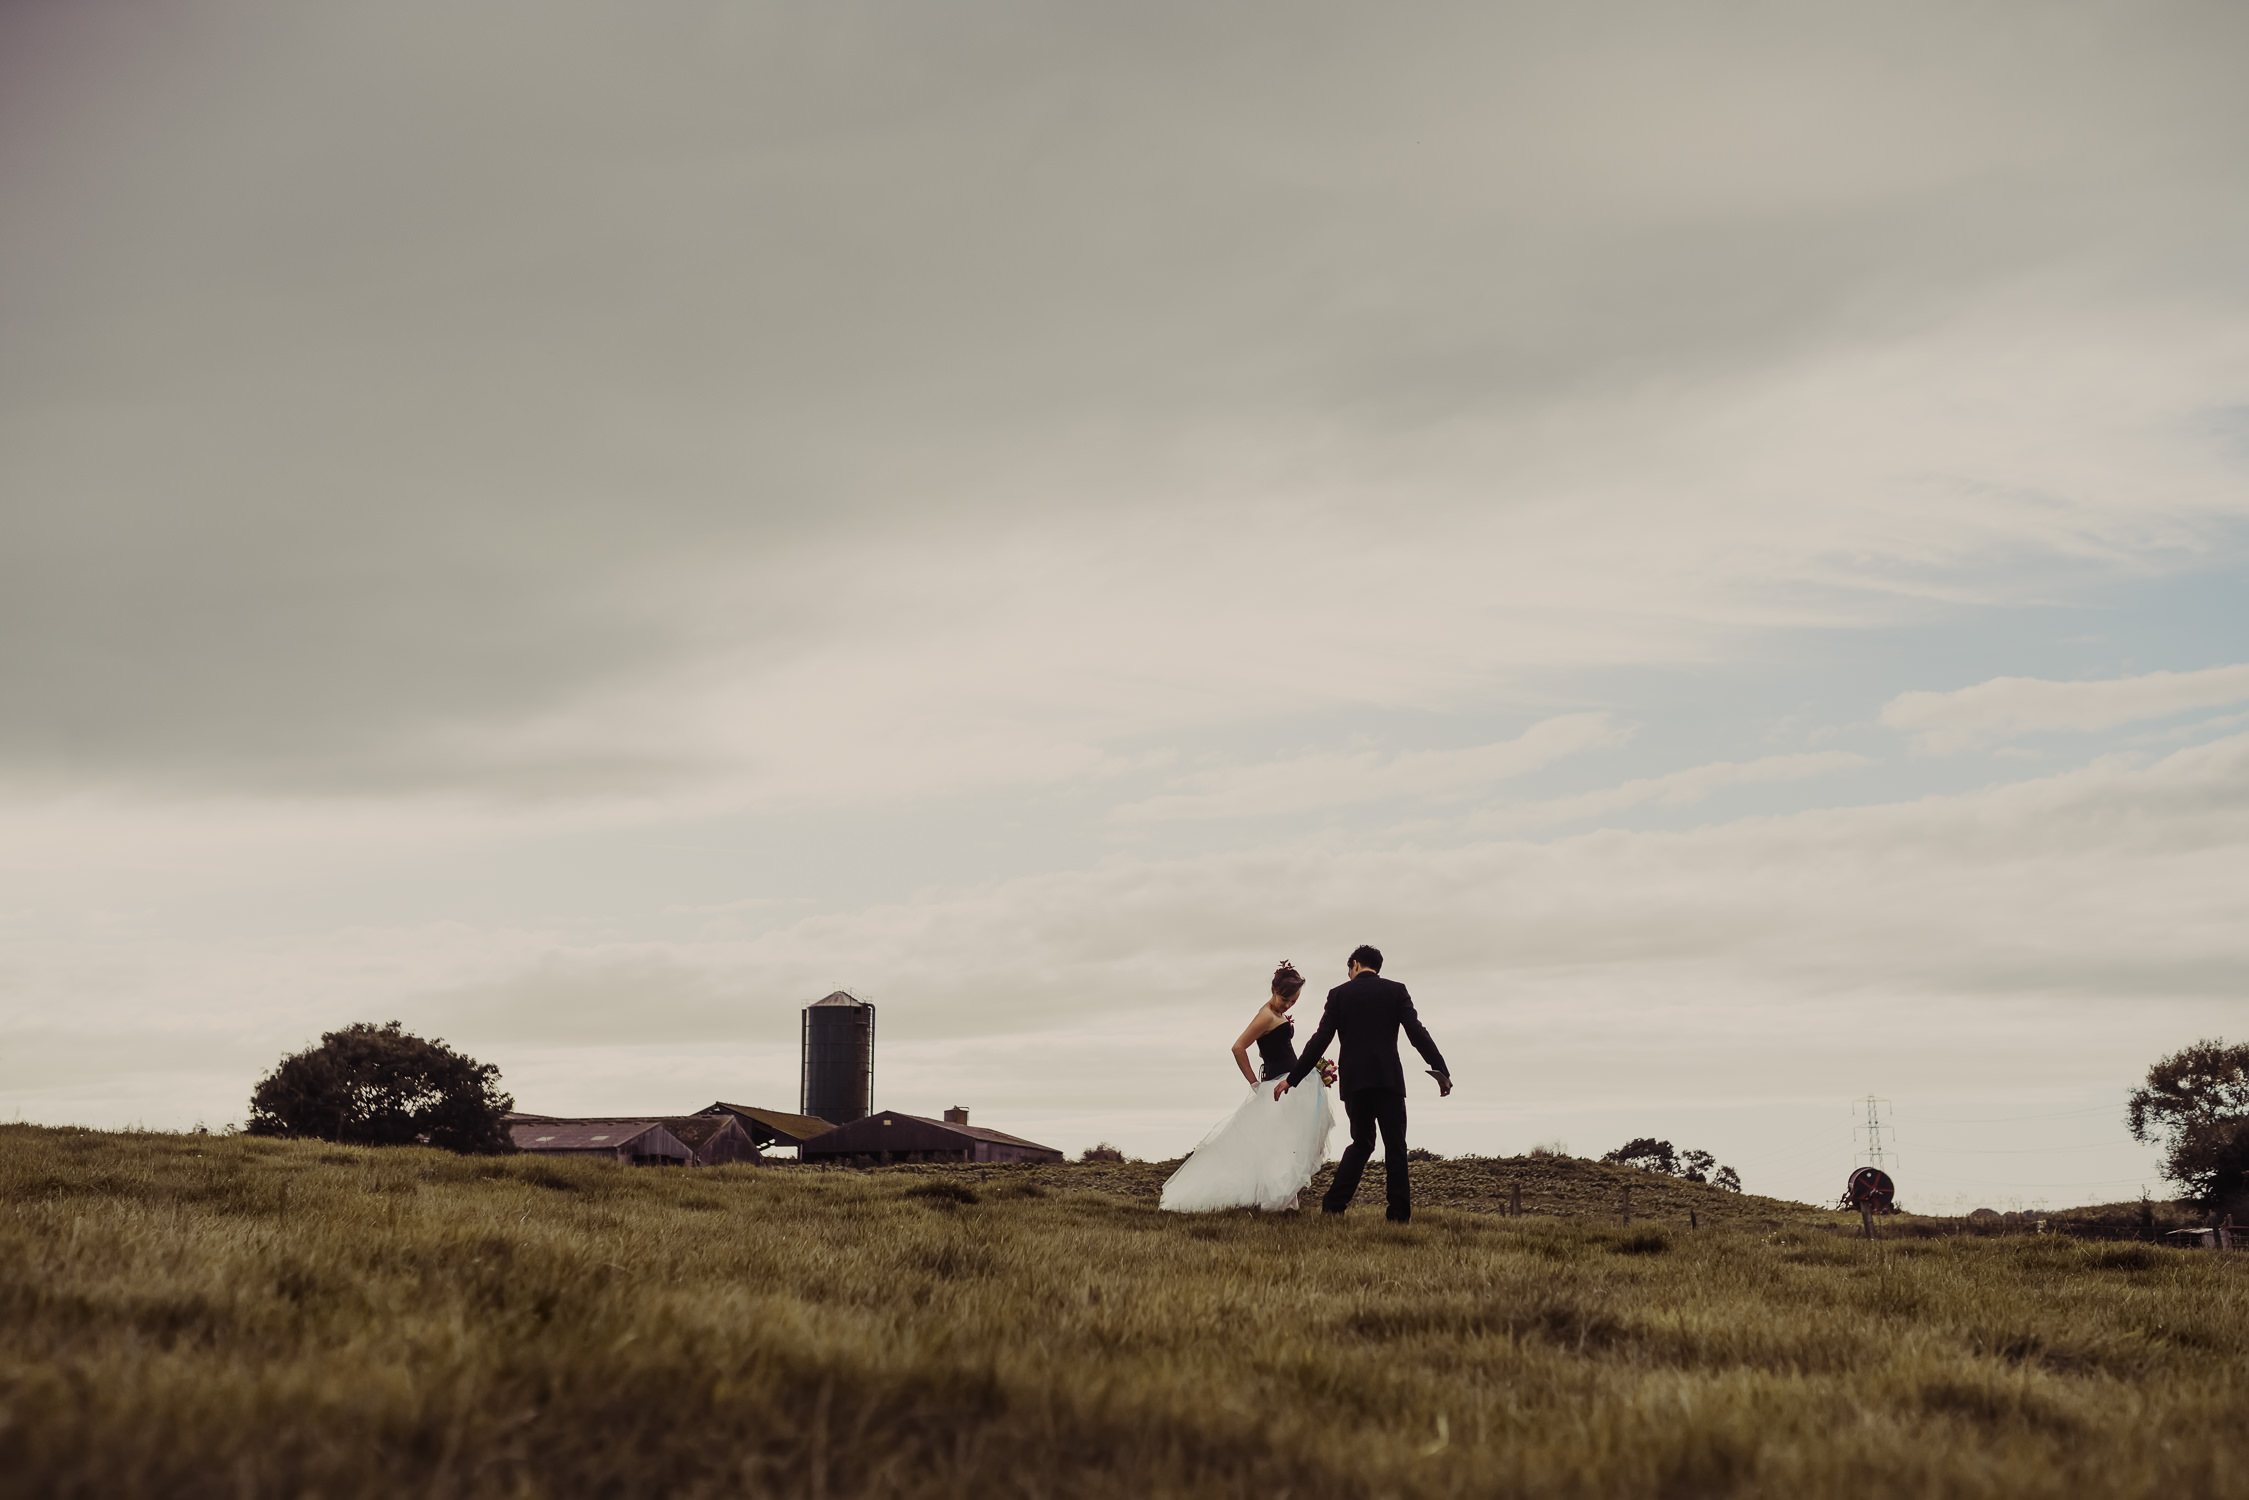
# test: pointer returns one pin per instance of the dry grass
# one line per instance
(190, 1317)
(1564, 1187)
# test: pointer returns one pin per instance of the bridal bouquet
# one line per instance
(1327, 1072)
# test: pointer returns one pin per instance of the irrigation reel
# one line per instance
(1871, 1192)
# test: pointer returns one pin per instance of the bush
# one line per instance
(369, 1085)
(1648, 1154)
(1651, 1155)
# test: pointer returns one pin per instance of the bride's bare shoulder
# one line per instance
(1265, 1020)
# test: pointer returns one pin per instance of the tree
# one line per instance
(2196, 1104)
(1648, 1154)
(370, 1085)
(1651, 1155)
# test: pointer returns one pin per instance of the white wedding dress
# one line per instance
(1263, 1154)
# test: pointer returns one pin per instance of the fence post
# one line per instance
(1515, 1201)
(1625, 1208)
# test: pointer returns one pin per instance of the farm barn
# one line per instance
(715, 1139)
(642, 1141)
(769, 1128)
(888, 1136)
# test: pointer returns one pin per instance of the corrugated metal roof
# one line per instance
(840, 997)
(873, 1123)
(696, 1130)
(790, 1130)
(994, 1135)
(539, 1134)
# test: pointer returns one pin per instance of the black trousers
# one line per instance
(1370, 1110)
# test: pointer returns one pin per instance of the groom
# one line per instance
(1367, 1012)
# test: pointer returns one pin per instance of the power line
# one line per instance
(2009, 1183)
(2031, 1150)
(2064, 1114)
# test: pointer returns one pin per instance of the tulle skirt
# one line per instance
(1260, 1156)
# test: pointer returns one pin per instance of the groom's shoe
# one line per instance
(1399, 1218)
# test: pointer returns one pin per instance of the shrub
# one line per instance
(1651, 1155)
(1648, 1154)
(370, 1085)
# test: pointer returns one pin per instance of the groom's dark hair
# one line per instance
(1366, 957)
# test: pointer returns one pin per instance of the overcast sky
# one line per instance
(1718, 536)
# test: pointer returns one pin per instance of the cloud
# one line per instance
(2004, 707)
(1676, 789)
(1312, 783)
(775, 408)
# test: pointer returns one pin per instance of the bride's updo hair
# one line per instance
(1286, 981)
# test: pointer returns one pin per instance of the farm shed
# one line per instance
(715, 1139)
(772, 1127)
(888, 1136)
(637, 1142)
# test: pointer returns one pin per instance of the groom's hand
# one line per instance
(1279, 1089)
(1444, 1082)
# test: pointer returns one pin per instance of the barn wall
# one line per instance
(654, 1146)
(905, 1138)
(871, 1136)
(731, 1143)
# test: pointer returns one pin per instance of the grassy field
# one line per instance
(187, 1316)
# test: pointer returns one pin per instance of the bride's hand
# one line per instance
(1279, 1089)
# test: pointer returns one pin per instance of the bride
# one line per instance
(1265, 1152)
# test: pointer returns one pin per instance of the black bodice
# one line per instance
(1277, 1050)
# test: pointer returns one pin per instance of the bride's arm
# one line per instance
(1264, 1021)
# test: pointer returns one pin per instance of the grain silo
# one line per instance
(839, 1059)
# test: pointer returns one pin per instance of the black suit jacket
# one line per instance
(1367, 1012)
